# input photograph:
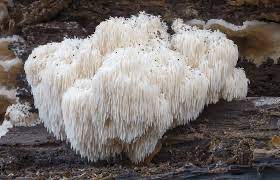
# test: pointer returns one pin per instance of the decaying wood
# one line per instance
(243, 133)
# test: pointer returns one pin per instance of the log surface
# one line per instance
(229, 140)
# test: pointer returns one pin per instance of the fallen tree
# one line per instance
(242, 133)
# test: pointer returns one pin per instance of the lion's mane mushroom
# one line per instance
(123, 87)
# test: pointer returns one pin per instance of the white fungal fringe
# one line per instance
(210, 52)
(123, 87)
(4, 127)
(19, 115)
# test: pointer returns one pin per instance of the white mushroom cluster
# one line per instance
(123, 87)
